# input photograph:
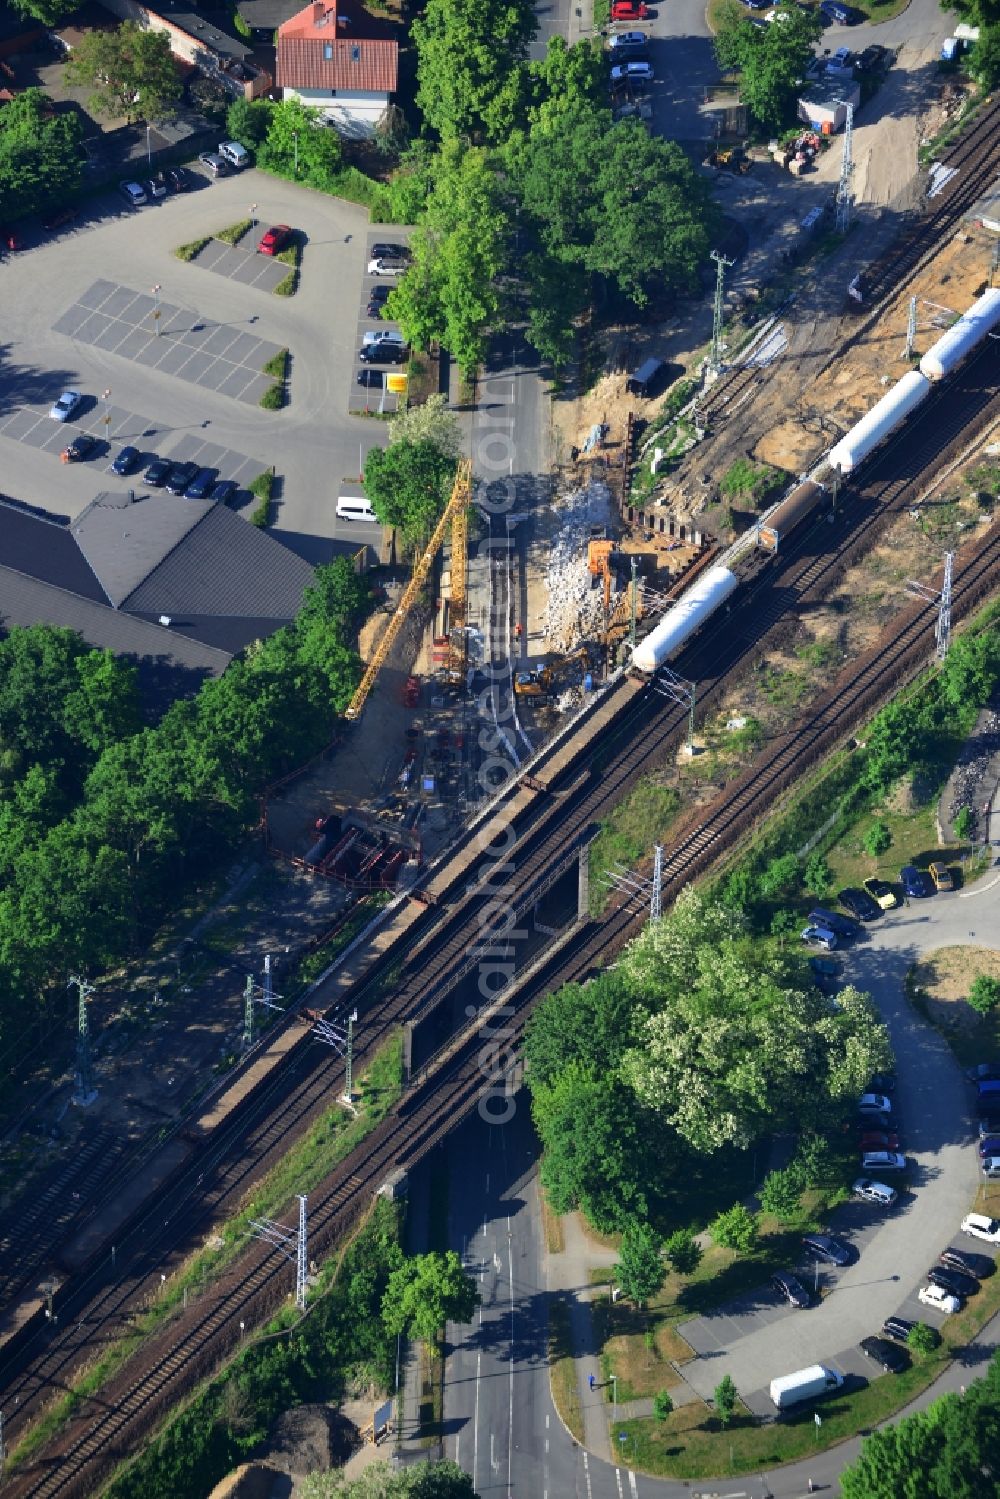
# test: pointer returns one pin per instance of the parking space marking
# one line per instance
(221, 357)
(246, 266)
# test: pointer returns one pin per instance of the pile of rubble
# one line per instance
(574, 608)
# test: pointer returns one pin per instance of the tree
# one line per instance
(430, 422)
(923, 1340)
(49, 12)
(640, 1272)
(964, 822)
(771, 60)
(565, 79)
(427, 1291)
(248, 120)
(585, 1023)
(817, 876)
(878, 839)
(662, 1404)
(131, 69)
(441, 1480)
(983, 61)
(471, 74)
(40, 157)
(984, 994)
(780, 877)
(724, 1400)
(780, 1193)
(299, 142)
(736, 1228)
(408, 484)
(683, 1251)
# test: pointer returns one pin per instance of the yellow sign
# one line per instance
(396, 383)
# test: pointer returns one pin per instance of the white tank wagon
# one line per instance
(885, 416)
(944, 357)
(692, 609)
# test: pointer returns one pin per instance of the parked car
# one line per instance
(388, 265)
(234, 154)
(883, 1160)
(978, 1226)
(842, 59)
(133, 193)
(790, 1288)
(882, 892)
(58, 218)
(938, 1298)
(915, 882)
(383, 249)
(989, 1145)
(819, 936)
(275, 239)
(978, 1265)
(860, 904)
(629, 10)
(63, 409)
(941, 875)
(984, 1072)
(845, 928)
(873, 1192)
(370, 378)
(874, 1103)
(384, 336)
(826, 1247)
(179, 179)
(835, 14)
(878, 1139)
(898, 1328)
(825, 972)
(127, 461)
(202, 484)
(377, 298)
(954, 1281)
(626, 39)
(215, 164)
(156, 474)
(224, 492)
(886, 1124)
(881, 1082)
(757, 4)
(383, 352)
(873, 59)
(81, 447)
(628, 72)
(156, 187)
(888, 1357)
(180, 477)
(991, 1166)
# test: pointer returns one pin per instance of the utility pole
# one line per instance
(634, 602)
(911, 328)
(301, 1258)
(845, 199)
(348, 1079)
(943, 632)
(293, 1244)
(715, 353)
(656, 895)
(248, 1015)
(85, 1090)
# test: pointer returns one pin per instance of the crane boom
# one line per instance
(460, 495)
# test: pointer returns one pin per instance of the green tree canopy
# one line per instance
(724, 1400)
(131, 69)
(471, 75)
(585, 1023)
(248, 120)
(299, 139)
(427, 1291)
(40, 158)
(408, 484)
(49, 12)
(640, 1271)
(984, 993)
(771, 60)
(432, 422)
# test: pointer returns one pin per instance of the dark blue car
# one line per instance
(915, 882)
(127, 461)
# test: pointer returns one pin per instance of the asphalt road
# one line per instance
(314, 445)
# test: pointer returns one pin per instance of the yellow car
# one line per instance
(941, 875)
(883, 893)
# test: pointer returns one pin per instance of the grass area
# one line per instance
(638, 822)
(333, 1136)
(189, 251)
(876, 11)
(555, 1241)
(263, 488)
(936, 987)
(562, 1370)
(288, 286)
(233, 233)
(750, 482)
(913, 829)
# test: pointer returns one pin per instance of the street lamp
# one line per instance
(614, 1398)
(105, 397)
(253, 215)
(156, 310)
(295, 141)
(149, 148)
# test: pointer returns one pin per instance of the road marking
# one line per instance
(618, 1476)
(632, 1483)
(964, 894)
(510, 1412)
(586, 1474)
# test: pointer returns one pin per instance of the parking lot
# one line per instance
(78, 309)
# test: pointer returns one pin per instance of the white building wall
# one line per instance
(353, 113)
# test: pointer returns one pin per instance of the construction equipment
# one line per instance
(460, 496)
(600, 550)
(730, 159)
(538, 681)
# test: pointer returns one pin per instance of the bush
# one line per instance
(923, 1340)
(963, 822)
(188, 252)
(234, 232)
(662, 1405)
(242, 29)
(289, 286)
(817, 877)
(682, 1251)
(274, 396)
(736, 1228)
(262, 487)
(984, 994)
(277, 365)
(877, 839)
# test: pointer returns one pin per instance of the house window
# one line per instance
(328, 51)
(355, 54)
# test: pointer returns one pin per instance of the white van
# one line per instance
(383, 336)
(355, 507)
(804, 1384)
(236, 155)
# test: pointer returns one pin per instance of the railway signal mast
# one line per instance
(85, 1090)
(257, 994)
(714, 367)
(942, 630)
(845, 197)
(292, 1243)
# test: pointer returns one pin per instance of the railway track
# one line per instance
(259, 1284)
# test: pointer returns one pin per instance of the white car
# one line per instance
(940, 1300)
(981, 1227)
(629, 70)
(874, 1103)
(388, 266)
(883, 1160)
(388, 336)
(237, 156)
(67, 403)
(819, 936)
(134, 193)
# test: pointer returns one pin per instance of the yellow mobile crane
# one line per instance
(455, 515)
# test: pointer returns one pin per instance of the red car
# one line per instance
(630, 10)
(274, 240)
(877, 1140)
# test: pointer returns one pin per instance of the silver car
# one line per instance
(65, 406)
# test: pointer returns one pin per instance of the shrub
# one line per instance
(662, 1405)
(923, 1340)
(234, 232)
(736, 1228)
(963, 822)
(188, 252)
(277, 365)
(683, 1251)
(817, 877)
(274, 396)
(877, 839)
(984, 994)
(262, 487)
(289, 286)
(240, 26)
(291, 254)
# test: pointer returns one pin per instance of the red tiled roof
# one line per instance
(367, 66)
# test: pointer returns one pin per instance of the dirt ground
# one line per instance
(945, 976)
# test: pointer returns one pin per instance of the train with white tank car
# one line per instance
(712, 590)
